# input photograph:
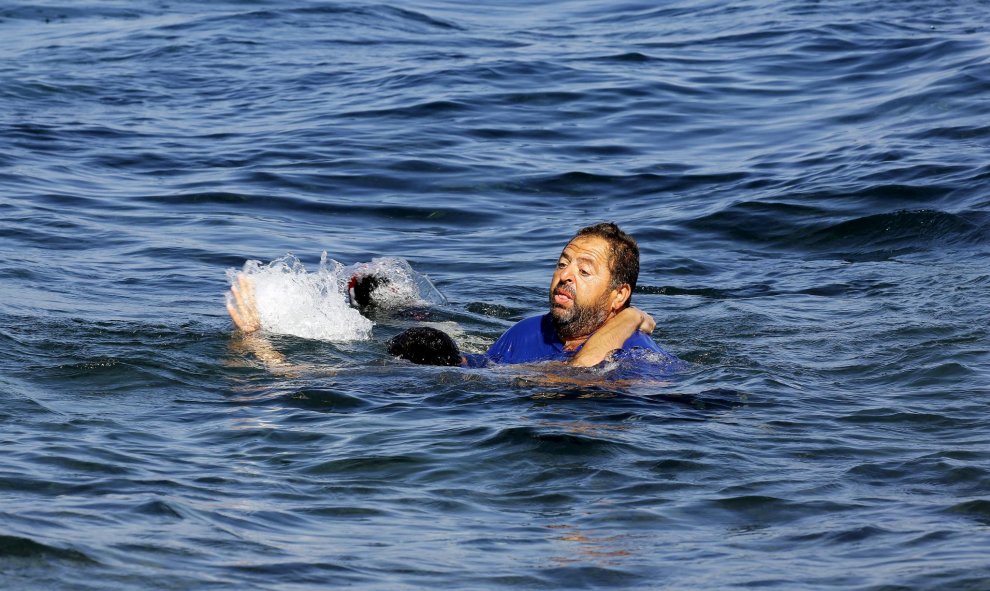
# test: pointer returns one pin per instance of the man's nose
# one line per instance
(567, 274)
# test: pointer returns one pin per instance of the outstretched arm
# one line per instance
(243, 309)
(612, 335)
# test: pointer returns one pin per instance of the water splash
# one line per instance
(293, 301)
(406, 288)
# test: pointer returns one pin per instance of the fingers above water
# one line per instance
(242, 306)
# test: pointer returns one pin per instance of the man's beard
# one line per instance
(579, 320)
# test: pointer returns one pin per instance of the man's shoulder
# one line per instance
(641, 356)
(527, 325)
(529, 329)
(642, 343)
(531, 339)
(641, 340)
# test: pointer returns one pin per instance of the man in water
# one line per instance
(589, 318)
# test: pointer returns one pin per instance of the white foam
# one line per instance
(295, 302)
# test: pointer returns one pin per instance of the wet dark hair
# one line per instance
(623, 261)
(362, 288)
(425, 346)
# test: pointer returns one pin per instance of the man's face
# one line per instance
(580, 294)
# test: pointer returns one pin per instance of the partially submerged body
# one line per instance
(590, 319)
(534, 340)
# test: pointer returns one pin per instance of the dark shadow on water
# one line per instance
(714, 400)
(19, 547)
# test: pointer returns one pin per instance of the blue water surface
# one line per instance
(808, 182)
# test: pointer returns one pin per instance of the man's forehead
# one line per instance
(591, 247)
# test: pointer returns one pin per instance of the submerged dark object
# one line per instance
(425, 346)
(361, 288)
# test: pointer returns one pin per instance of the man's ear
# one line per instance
(620, 295)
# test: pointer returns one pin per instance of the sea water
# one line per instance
(807, 180)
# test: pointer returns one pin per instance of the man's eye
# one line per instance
(561, 265)
(585, 273)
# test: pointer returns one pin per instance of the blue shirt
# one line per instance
(535, 339)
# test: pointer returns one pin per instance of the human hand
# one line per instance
(241, 305)
(647, 323)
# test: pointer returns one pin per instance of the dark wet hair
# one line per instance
(363, 287)
(425, 346)
(623, 261)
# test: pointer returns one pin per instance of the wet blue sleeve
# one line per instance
(641, 340)
(503, 346)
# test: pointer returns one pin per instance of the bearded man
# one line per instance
(589, 315)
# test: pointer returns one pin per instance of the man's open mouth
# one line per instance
(562, 297)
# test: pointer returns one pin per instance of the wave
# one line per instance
(905, 230)
(323, 205)
(20, 547)
(879, 236)
(571, 440)
(375, 17)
